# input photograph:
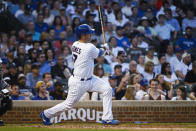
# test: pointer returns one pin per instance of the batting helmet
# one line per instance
(84, 29)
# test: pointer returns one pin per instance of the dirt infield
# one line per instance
(122, 127)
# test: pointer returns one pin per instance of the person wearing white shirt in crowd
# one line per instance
(108, 32)
(181, 94)
(150, 56)
(149, 71)
(114, 48)
(121, 61)
(168, 75)
(140, 65)
(120, 19)
(157, 68)
(109, 12)
(141, 42)
(143, 89)
(169, 53)
(164, 30)
(176, 59)
(127, 9)
(184, 66)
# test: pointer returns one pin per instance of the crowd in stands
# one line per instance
(149, 41)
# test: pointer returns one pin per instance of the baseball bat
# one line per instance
(102, 26)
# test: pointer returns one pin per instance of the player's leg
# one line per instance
(98, 85)
(76, 90)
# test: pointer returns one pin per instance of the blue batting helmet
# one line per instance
(84, 29)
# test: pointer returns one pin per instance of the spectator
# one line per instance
(134, 17)
(44, 66)
(34, 76)
(181, 94)
(32, 33)
(150, 56)
(176, 59)
(15, 93)
(66, 52)
(154, 94)
(47, 79)
(58, 26)
(59, 70)
(168, 75)
(65, 18)
(58, 93)
(47, 16)
(92, 9)
(120, 19)
(133, 81)
(134, 52)
(190, 20)
(149, 71)
(145, 28)
(140, 65)
(118, 73)
(120, 61)
(42, 93)
(26, 17)
(114, 48)
(132, 67)
(164, 32)
(45, 44)
(109, 32)
(3, 45)
(99, 71)
(40, 26)
(143, 89)
(162, 60)
(127, 9)
(12, 74)
(21, 58)
(141, 42)
(164, 87)
(169, 53)
(75, 23)
(190, 77)
(171, 21)
(187, 42)
(55, 8)
(122, 41)
(23, 89)
(71, 37)
(101, 62)
(184, 66)
(50, 57)
(142, 8)
(129, 94)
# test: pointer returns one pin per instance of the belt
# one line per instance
(83, 79)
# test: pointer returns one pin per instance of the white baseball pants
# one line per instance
(76, 90)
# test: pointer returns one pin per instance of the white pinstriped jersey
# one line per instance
(83, 56)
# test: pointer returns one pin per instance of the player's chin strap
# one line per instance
(104, 50)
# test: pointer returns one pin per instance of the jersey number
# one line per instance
(75, 57)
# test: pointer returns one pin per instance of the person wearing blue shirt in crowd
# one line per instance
(187, 41)
(42, 93)
(40, 26)
(34, 76)
(58, 26)
(44, 66)
(122, 41)
(171, 21)
(142, 8)
(15, 93)
(106, 67)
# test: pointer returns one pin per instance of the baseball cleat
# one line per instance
(110, 122)
(46, 121)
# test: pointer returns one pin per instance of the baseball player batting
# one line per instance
(83, 79)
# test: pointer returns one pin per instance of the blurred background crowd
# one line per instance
(152, 45)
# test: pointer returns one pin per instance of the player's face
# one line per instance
(88, 37)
